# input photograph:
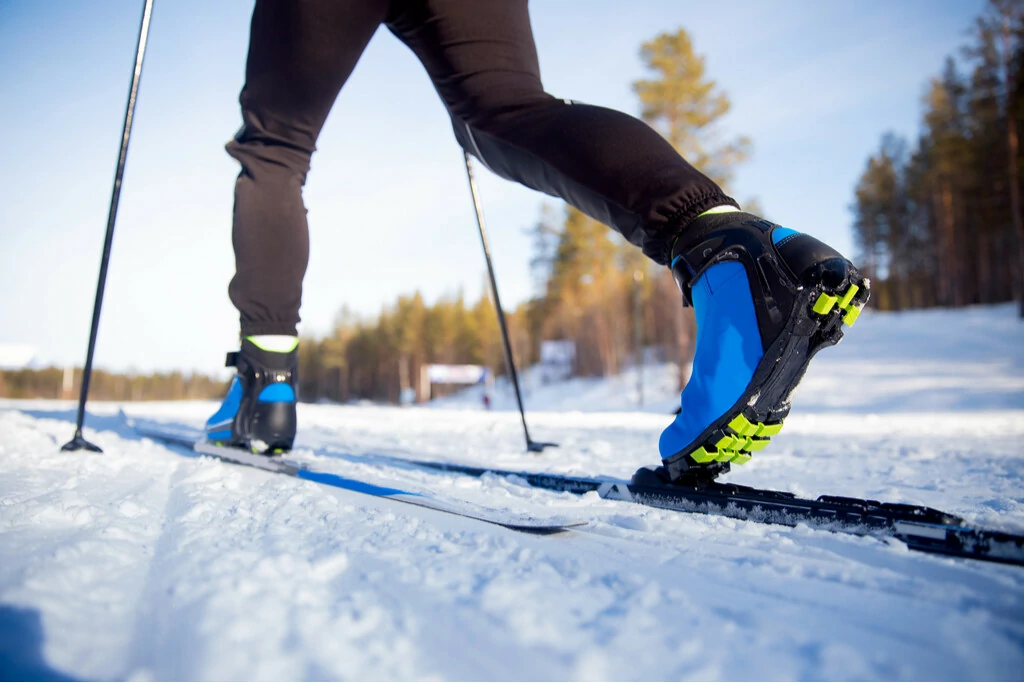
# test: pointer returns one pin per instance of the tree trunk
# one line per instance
(1011, 143)
(1018, 223)
(952, 280)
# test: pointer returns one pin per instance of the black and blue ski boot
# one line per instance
(258, 413)
(766, 299)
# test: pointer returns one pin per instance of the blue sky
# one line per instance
(814, 84)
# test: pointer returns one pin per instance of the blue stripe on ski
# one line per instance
(351, 484)
(194, 447)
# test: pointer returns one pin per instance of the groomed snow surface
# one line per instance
(140, 563)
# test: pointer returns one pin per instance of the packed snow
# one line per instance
(140, 563)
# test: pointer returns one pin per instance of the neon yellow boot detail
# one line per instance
(824, 303)
(742, 426)
(844, 303)
(767, 430)
(757, 445)
(702, 455)
(726, 456)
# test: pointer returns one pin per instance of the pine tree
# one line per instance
(684, 105)
(953, 232)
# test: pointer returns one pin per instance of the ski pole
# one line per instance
(78, 441)
(531, 445)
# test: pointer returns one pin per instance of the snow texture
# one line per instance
(143, 564)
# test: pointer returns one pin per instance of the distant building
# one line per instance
(557, 360)
(16, 356)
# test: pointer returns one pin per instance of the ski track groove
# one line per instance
(102, 586)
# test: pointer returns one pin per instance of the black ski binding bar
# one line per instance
(920, 527)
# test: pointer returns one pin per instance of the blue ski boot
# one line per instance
(766, 299)
(258, 414)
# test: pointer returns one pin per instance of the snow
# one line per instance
(142, 564)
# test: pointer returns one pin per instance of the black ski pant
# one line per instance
(482, 60)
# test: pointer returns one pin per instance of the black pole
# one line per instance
(531, 445)
(78, 441)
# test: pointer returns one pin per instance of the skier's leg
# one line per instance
(766, 298)
(300, 54)
(613, 167)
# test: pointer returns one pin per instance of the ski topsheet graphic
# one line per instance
(277, 465)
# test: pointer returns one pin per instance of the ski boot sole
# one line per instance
(255, 449)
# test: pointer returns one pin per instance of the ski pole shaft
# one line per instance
(78, 441)
(510, 363)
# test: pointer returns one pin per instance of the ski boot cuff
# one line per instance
(269, 366)
(690, 257)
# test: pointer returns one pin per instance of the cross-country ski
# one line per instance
(291, 468)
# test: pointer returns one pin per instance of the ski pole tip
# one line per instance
(78, 443)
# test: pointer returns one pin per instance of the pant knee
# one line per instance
(268, 158)
(500, 110)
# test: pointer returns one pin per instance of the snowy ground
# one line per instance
(142, 564)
